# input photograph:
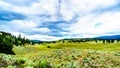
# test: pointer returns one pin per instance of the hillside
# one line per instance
(7, 41)
(65, 53)
(108, 38)
(4, 34)
(113, 37)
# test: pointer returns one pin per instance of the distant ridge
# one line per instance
(112, 37)
(36, 41)
(109, 37)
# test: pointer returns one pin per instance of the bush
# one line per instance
(6, 45)
(48, 46)
(7, 41)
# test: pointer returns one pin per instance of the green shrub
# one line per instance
(48, 46)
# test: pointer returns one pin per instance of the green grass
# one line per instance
(65, 55)
(93, 46)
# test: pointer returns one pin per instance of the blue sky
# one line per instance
(49, 20)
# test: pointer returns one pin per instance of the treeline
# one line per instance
(7, 41)
(109, 41)
(79, 40)
(91, 40)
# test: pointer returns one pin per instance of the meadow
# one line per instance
(63, 55)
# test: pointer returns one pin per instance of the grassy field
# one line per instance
(63, 55)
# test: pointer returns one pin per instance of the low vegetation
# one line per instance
(63, 55)
(70, 53)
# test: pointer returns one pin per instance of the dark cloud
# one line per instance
(98, 24)
(53, 25)
(9, 16)
(113, 8)
(21, 2)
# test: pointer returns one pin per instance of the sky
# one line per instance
(49, 20)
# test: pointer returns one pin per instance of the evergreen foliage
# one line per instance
(7, 41)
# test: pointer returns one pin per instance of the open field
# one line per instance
(63, 55)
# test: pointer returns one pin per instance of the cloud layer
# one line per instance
(57, 19)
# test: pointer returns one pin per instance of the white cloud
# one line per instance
(15, 33)
(23, 24)
(82, 16)
(70, 8)
(28, 26)
(36, 36)
(86, 24)
(43, 37)
(17, 27)
(41, 7)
